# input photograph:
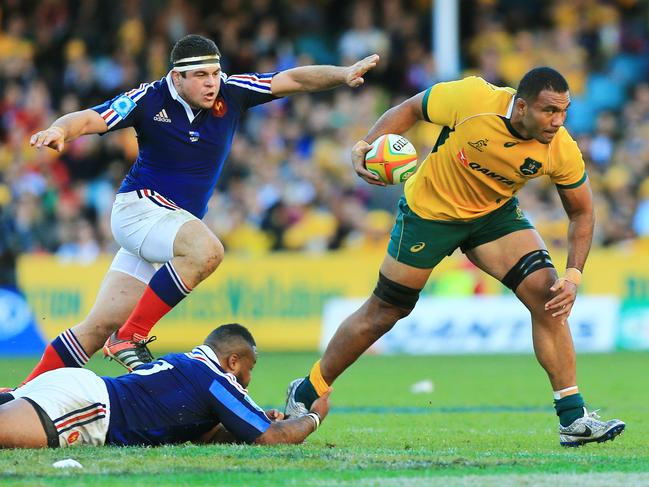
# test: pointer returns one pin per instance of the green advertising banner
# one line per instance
(281, 297)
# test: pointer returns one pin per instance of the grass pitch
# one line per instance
(488, 421)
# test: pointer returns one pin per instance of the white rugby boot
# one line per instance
(294, 408)
(589, 428)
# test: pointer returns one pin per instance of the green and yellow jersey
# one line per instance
(479, 161)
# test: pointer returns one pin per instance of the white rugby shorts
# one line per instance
(76, 400)
(145, 225)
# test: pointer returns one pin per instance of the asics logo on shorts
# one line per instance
(417, 247)
(162, 116)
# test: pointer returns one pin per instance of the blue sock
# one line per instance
(168, 285)
(70, 350)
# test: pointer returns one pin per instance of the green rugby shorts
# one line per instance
(423, 243)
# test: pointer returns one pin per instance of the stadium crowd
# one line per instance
(288, 183)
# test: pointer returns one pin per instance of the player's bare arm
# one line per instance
(290, 431)
(396, 120)
(67, 128)
(220, 434)
(295, 430)
(318, 78)
(578, 203)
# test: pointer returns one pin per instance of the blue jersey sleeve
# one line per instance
(123, 110)
(237, 411)
(251, 89)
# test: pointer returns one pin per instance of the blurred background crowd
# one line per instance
(288, 183)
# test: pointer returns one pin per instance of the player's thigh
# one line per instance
(195, 238)
(74, 403)
(404, 274)
(499, 256)
(20, 426)
(146, 224)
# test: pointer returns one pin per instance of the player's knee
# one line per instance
(528, 264)
(209, 254)
(215, 254)
(399, 300)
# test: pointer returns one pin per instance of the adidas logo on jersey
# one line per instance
(162, 116)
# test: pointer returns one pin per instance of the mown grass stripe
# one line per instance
(433, 409)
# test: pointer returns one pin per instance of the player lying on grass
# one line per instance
(198, 396)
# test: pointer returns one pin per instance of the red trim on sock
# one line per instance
(148, 311)
(49, 361)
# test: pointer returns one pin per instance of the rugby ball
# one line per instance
(392, 158)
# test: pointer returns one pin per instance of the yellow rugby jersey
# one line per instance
(479, 161)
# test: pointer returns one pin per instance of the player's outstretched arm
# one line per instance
(220, 434)
(318, 78)
(396, 120)
(67, 128)
(296, 430)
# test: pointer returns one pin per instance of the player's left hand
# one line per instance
(355, 72)
(360, 149)
(275, 415)
(52, 137)
(561, 304)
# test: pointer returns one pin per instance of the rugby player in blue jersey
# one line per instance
(185, 123)
(198, 396)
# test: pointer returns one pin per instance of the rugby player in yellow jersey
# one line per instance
(494, 141)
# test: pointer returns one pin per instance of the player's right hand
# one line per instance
(52, 137)
(321, 405)
(358, 161)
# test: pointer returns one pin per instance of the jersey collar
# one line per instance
(210, 354)
(174, 94)
(510, 108)
(508, 120)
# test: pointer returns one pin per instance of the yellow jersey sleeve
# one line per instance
(567, 168)
(451, 102)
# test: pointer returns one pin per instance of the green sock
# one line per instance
(305, 393)
(569, 408)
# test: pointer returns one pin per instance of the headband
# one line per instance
(197, 62)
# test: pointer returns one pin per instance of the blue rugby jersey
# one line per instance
(181, 153)
(178, 398)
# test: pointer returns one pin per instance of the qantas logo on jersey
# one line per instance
(486, 171)
(162, 116)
